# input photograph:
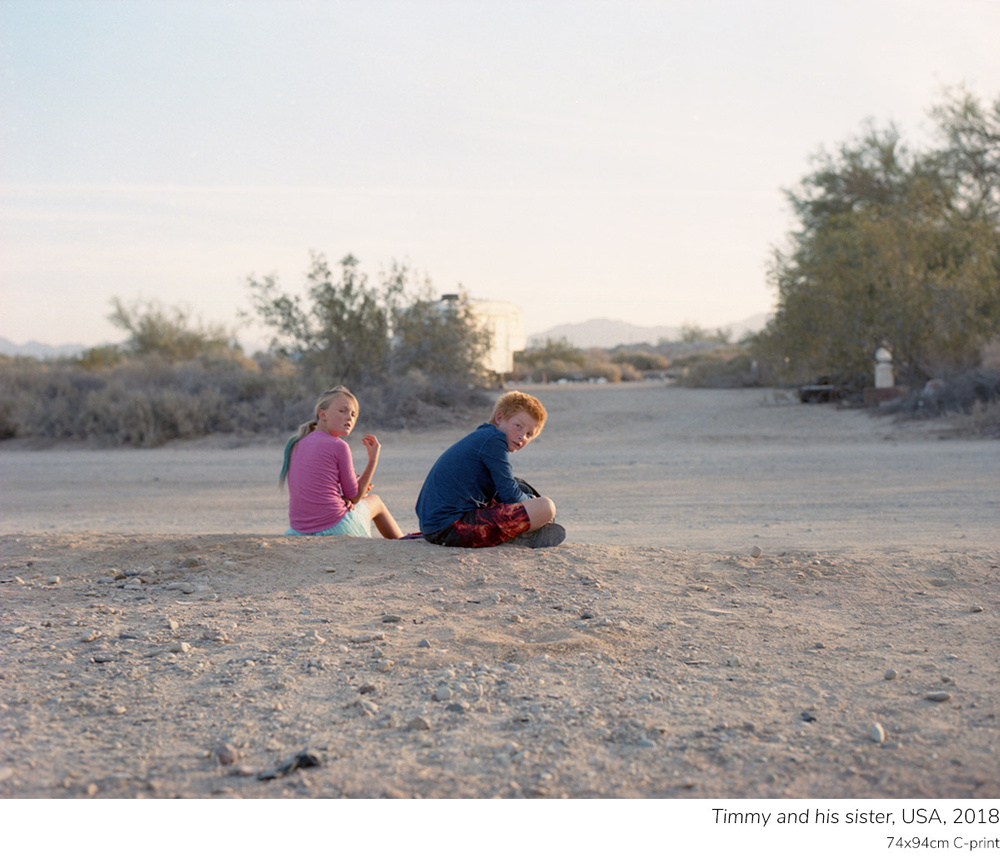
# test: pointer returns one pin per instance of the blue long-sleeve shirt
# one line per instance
(467, 476)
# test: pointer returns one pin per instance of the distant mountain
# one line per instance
(39, 350)
(608, 333)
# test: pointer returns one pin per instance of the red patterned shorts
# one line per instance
(484, 528)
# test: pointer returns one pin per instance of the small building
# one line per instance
(504, 322)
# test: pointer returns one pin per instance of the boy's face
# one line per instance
(519, 428)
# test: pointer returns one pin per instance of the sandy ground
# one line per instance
(757, 599)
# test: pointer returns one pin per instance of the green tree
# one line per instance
(895, 248)
(169, 333)
(440, 338)
(348, 331)
(339, 331)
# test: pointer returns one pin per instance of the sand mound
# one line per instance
(168, 666)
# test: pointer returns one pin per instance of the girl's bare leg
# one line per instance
(540, 511)
(382, 518)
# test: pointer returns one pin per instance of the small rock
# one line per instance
(225, 754)
(392, 619)
(54, 581)
(424, 643)
(938, 696)
(90, 636)
(418, 724)
(180, 648)
(305, 759)
(457, 707)
(385, 665)
(366, 688)
(890, 675)
(368, 708)
(976, 609)
(173, 624)
(877, 734)
(755, 551)
(442, 693)
(117, 709)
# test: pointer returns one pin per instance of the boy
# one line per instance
(470, 499)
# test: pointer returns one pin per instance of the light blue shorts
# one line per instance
(357, 522)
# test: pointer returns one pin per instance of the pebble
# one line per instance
(90, 636)
(173, 624)
(418, 724)
(442, 693)
(938, 696)
(385, 665)
(877, 733)
(976, 609)
(890, 675)
(391, 619)
(54, 581)
(755, 551)
(368, 707)
(424, 643)
(180, 648)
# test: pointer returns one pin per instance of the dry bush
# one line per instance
(724, 368)
(990, 355)
(984, 421)
(144, 401)
(148, 401)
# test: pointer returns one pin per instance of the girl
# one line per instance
(325, 496)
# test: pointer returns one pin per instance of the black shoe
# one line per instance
(547, 536)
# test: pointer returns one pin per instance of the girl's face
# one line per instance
(519, 428)
(338, 418)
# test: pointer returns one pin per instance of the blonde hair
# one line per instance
(322, 403)
(510, 403)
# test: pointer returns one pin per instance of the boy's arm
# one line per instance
(497, 460)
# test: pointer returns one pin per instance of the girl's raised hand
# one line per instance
(370, 442)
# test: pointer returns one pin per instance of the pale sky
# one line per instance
(621, 159)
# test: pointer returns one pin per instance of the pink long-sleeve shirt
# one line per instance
(320, 474)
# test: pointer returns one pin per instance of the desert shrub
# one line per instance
(719, 369)
(984, 421)
(418, 399)
(641, 361)
(990, 356)
(594, 370)
(959, 395)
(144, 401)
